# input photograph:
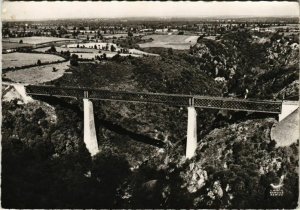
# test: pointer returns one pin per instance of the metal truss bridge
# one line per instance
(157, 98)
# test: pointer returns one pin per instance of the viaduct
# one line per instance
(282, 108)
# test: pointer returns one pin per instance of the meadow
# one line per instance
(18, 59)
(91, 52)
(179, 42)
(13, 45)
(38, 74)
(35, 39)
(70, 49)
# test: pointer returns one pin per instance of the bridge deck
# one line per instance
(160, 98)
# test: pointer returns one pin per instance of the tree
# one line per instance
(130, 34)
(52, 49)
(21, 41)
(112, 48)
(112, 170)
(39, 62)
(74, 60)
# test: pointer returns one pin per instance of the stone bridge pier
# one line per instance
(191, 142)
(89, 133)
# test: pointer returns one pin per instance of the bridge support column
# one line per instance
(191, 144)
(89, 136)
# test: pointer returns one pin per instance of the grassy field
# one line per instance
(23, 59)
(179, 42)
(114, 35)
(13, 45)
(90, 50)
(91, 53)
(71, 50)
(35, 39)
(38, 74)
(139, 52)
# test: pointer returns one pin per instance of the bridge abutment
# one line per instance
(288, 107)
(89, 136)
(191, 144)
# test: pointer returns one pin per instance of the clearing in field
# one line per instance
(36, 39)
(38, 74)
(179, 42)
(18, 59)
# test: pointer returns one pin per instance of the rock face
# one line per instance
(16, 91)
(227, 156)
(195, 177)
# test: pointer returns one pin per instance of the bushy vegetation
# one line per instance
(165, 75)
(45, 164)
(262, 68)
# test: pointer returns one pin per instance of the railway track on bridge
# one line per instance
(211, 102)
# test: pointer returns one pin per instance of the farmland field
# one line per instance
(36, 39)
(13, 45)
(179, 42)
(38, 74)
(71, 50)
(115, 35)
(23, 59)
(139, 52)
(91, 52)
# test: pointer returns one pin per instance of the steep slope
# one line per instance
(234, 167)
(264, 68)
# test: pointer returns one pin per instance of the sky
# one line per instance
(58, 10)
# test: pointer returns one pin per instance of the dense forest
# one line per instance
(141, 163)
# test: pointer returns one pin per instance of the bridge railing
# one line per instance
(160, 98)
(67, 92)
(238, 104)
(177, 100)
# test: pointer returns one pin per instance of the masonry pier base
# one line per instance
(191, 144)
(89, 136)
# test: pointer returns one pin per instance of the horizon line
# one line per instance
(153, 17)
